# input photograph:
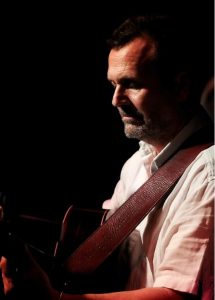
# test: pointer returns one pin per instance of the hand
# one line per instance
(24, 279)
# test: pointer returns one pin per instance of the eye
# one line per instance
(130, 83)
(133, 85)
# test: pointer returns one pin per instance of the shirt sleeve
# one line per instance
(187, 244)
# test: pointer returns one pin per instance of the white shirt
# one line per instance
(168, 248)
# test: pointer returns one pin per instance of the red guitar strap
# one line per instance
(102, 242)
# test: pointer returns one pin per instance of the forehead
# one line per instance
(131, 56)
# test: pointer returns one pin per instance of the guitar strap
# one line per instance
(103, 241)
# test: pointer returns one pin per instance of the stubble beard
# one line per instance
(149, 134)
(133, 131)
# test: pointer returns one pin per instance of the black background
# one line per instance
(61, 140)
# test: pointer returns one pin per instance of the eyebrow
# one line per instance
(124, 79)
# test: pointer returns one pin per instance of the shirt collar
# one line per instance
(196, 123)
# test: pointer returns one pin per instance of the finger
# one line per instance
(8, 281)
(8, 267)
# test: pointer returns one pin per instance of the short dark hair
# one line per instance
(177, 44)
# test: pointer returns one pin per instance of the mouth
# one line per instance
(130, 115)
(132, 120)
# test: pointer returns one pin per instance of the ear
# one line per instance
(182, 86)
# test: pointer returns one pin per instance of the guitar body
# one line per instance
(78, 224)
(110, 276)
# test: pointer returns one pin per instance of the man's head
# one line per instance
(150, 67)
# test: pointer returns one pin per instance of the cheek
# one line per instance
(140, 99)
(152, 105)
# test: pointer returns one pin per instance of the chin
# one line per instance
(142, 133)
(134, 132)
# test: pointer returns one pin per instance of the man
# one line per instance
(171, 251)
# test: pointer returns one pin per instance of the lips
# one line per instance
(133, 121)
(130, 115)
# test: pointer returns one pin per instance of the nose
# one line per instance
(119, 96)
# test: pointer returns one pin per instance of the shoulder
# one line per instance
(197, 182)
(209, 153)
(196, 185)
(205, 162)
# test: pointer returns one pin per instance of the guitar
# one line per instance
(77, 225)
(64, 238)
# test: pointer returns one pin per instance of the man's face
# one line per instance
(148, 109)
